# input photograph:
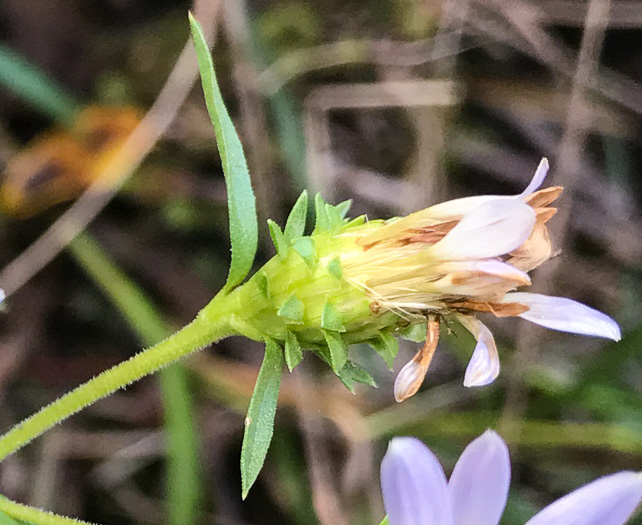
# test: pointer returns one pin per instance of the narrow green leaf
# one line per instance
(240, 197)
(338, 350)
(385, 521)
(331, 319)
(278, 239)
(292, 309)
(321, 214)
(32, 85)
(262, 284)
(295, 225)
(352, 373)
(306, 248)
(387, 347)
(259, 423)
(334, 267)
(293, 352)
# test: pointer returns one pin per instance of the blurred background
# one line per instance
(394, 104)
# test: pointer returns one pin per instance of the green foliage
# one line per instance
(352, 373)
(259, 423)
(331, 319)
(295, 225)
(292, 309)
(334, 267)
(278, 239)
(27, 81)
(338, 350)
(293, 352)
(240, 197)
(306, 248)
(387, 347)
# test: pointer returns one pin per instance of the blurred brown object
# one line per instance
(59, 165)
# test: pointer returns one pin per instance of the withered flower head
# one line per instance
(354, 281)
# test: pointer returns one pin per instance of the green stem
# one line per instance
(196, 335)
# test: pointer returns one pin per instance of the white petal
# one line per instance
(479, 483)
(492, 229)
(607, 501)
(538, 178)
(483, 367)
(565, 315)
(414, 486)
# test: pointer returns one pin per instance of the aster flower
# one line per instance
(366, 281)
(416, 492)
(461, 258)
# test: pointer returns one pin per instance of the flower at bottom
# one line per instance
(416, 492)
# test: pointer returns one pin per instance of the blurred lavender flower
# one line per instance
(416, 492)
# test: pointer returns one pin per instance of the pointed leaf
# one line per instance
(306, 248)
(331, 319)
(295, 225)
(240, 197)
(335, 219)
(278, 239)
(334, 267)
(344, 207)
(338, 350)
(352, 373)
(259, 423)
(387, 347)
(293, 352)
(292, 309)
(321, 214)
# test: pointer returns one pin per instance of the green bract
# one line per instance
(301, 299)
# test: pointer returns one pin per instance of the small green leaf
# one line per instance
(295, 225)
(352, 373)
(240, 197)
(306, 248)
(385, 521)
(334, 267)
(262, 284)
(387, 346)
(331, 319)
(335, 220)
(278, 239)
(415, 332)
(320, 211)
(293, 352)
(344, 207)
(292, 309)
(259, 423)
(338, 350)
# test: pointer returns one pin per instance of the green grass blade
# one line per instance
(183, 471)
(259, 424)
(240, 197)
(32, 85)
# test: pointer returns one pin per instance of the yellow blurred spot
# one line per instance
(59, 165)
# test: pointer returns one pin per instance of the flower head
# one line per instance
(354, 281)
(416, 492)
(465, 257)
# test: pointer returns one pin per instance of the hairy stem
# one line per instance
(196, 335)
